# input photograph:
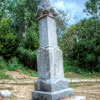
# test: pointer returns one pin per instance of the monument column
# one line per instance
(51, 84)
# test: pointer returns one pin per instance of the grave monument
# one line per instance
(51, 84)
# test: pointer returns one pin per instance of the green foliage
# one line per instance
(27, 57)
(28, 49)
(32, 40)
(18, 17)
(8, 44)
(61, 20)
(84, 44)
(23, 15)
(81, 42)
(3, 76)
(2, 8)
(71, 68)
(3, 64)
(8, 41)
(13, 65)
(93, 7)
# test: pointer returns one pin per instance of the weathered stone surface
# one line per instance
(51, 85)
(45, 9)
(47, 32)
(40, 95)
(5, 93)
(50, 64)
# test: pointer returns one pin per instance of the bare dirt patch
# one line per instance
(22, 88)
(90, 90)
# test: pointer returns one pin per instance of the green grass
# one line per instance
(18, 83)
(30, 73)
(82, 84)
(3, 76)
(78, 73)
(14, 65)
(25, 71)
(89, 75)
(83, 75)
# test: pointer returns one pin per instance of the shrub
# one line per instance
(8, 40)
(14, 64)
(27, 49)
(3, 64)
(27, 57)
(8, 45)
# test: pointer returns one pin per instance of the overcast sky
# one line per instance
(73, 7)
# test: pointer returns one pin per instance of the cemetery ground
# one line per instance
(22, 85)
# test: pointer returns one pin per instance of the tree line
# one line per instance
(19, 36)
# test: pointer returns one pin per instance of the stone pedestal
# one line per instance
(51, 84)
(40, 95)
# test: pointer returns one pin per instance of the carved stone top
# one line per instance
(45, 9)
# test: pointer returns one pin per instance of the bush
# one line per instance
(3, 76)
(27, 57)
(3, 64)
(8, 45)
(85, 52)
(70, 68)
(32, 40)
(14, 64)
(8, 41)
(27, 49)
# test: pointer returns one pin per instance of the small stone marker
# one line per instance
(5, 93)
(51, 84)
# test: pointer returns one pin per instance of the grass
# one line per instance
(82, 84)
(89, 75)
(75, 72)
(82, 75)
(25, 71)
(3, 76)
(29, 72)
(14, 65)
(18, 83)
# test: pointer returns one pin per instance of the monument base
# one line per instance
(41, 95)
(51, 85)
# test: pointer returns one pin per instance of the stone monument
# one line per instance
(51, 84)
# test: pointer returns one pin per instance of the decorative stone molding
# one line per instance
(45, 9)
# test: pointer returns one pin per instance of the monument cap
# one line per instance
(45, 9)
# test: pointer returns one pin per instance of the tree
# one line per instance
(8, 41)
(81, 44)
(23, 15)
(68, 41)
(3, 4)
(93, 7)
(62, 24)
(86, 49)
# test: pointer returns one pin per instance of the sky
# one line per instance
(74, 8)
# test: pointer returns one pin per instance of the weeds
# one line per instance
(13, 65)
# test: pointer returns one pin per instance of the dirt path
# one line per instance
(90, 90)
(22, 88)
(22, 91)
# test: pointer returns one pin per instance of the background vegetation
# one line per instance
(19, 38)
